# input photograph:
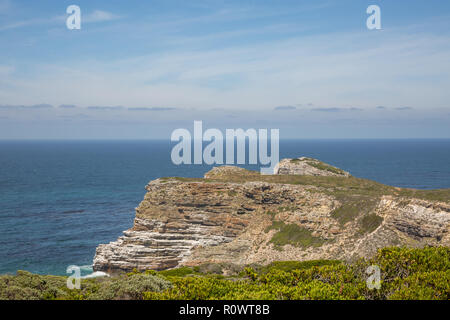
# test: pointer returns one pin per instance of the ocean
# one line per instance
(60, 199)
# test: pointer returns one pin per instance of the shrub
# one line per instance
(129, 287)
(405, 274)
(297, 265)
(434, 285)
(294, 235)
(27, 286)
(370, 222)
(179, 272)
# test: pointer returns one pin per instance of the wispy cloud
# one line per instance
(32, 22)
(284, 108)
(80, 116)
(92, 17)
(105, 108)
(327, 109)
(67, 106)
(336, 109)
(99, 16)
(152, 109)
(327, 68)
(19, 107)
(403, 108)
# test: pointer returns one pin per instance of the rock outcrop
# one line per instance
(237, 217)
(308, 167)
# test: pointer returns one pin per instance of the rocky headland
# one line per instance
(307, 210)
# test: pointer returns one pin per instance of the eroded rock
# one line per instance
(189, 222)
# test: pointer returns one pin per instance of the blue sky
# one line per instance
(139, 69)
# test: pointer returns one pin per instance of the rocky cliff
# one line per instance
(308, 210)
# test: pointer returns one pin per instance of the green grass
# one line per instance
(287, 208)
(319, 165)
(325, 167)
(178, 272)
(433, 195)
(294, 235)
(339, 187)
(353, 207)
(288, 266)
(271, 213)
(346, 213)
(232, 193)
(370, 222)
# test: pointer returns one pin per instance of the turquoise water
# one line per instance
(59, 200)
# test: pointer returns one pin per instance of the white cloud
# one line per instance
(98, 16)
(340, 69)
(93, 17)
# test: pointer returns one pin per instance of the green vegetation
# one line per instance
(294, 235)
(339, 187)
(289, 266)
(370, 222)
(318, 165)
(271, 213)
(178, 272)
(287, 209)
(358, 207)
(346, 212)
(27, 286)
(325, 167)
(405, 274)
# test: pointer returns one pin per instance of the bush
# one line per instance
(434, 285)
(405, 274)
(27, 286)
(296, 265)
(370, 222)
(294, 235)
(129, 287)
(179, 272)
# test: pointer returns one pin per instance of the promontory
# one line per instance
(307, 210)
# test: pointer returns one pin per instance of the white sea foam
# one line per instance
(90, 272)
(96, 274)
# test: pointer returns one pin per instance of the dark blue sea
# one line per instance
(59, 200)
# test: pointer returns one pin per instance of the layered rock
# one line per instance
(308, 167)
(234, 216)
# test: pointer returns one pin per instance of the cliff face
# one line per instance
(234, 216)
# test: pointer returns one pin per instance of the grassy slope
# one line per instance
(344, 188)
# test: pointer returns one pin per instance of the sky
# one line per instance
(140, 69)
